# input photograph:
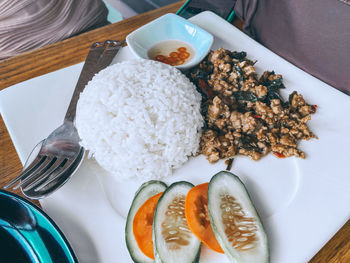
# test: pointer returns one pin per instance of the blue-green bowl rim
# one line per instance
(38, 209)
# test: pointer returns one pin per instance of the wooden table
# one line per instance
(74, 50)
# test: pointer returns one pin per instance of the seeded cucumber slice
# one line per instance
(235, 221)
(173, 241)
(146, 191)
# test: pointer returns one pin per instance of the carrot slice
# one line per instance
(197, 216)
(142, 225)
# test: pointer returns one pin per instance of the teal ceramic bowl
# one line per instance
(27, 234)
(171, 27)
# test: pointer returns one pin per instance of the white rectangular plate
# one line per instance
(302, 202)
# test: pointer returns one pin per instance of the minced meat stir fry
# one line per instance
(245, 114)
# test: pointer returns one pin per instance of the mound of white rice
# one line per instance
(140, 118)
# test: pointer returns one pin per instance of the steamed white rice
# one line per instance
(140, 118)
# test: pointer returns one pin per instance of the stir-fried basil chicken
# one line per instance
(246, 115)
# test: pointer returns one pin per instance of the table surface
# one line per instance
(74, 50)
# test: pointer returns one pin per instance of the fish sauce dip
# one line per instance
(172, 52)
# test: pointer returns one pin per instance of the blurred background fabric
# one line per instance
(129, 8)
(29, 24)
(313, 35)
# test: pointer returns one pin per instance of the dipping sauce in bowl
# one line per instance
(171, 39)
(172, 52)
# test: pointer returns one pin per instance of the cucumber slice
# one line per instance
(146, 191)
(173, 241)
(235, 221)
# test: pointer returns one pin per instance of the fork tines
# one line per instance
(56, 162)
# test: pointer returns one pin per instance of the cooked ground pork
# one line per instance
(246, 115)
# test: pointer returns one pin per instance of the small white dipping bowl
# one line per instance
(171, 27)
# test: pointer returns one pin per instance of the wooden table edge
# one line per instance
(66, 53)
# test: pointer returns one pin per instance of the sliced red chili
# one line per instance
(172, 59)
(177, 61)
(313, 108)
(206, 89)
(174, 54)
(175, 58)
(184, 55)
(160, 58)
(279, 155)
(166, 61)
(257, 116)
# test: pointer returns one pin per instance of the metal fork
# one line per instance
(60, 153)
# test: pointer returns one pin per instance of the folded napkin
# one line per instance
(29, 24)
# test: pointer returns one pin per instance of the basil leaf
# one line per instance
(245, 95)
(276, 84)
(240, 75)
(239, 55)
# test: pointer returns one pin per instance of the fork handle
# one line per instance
(91, 66)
